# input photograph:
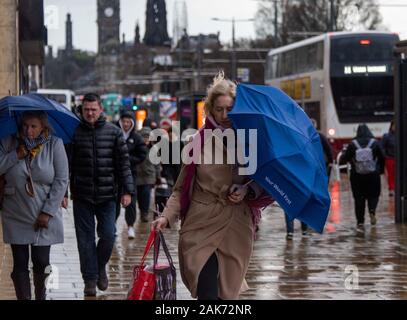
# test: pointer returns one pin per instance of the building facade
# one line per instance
(23, 36)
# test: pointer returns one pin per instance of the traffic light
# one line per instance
(135, 108)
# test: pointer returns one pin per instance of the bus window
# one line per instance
(350, 49)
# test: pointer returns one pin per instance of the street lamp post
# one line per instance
(233, 52)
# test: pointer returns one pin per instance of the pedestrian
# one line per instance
(137, 153)
(367, 162)
(100, 173)
(326, 147)
(290, 227)
(148, 122)
(389, 149)
(170, 165)
(217, 225)
(148, 175)
(36, 173)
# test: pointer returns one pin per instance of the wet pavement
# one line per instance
(342, 263)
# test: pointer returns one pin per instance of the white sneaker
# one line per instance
(131, 233)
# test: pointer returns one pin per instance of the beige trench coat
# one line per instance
(213, 224)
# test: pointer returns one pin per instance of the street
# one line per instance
(342, 263)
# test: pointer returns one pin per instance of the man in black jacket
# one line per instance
(137, 153)
(99, 173)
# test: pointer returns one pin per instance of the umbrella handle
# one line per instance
(244, 185)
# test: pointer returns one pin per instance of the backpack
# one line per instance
(364, 161)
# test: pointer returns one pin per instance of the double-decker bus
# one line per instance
(340, 79)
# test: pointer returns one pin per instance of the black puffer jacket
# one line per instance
(99, 163)
(135, 145)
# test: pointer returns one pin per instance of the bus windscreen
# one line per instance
(361, 72)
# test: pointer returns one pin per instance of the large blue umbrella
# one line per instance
(62, 120)
(290, 161)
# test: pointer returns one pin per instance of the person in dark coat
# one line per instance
(137, 153)
(148, 175)
(326, 148)
(365, 187)
(389, 149)
(99, 174)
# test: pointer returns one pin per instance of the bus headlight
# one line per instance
(331, 132)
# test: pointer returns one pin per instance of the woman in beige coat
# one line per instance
(217, 229)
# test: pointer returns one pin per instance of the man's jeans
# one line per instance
(92, 256)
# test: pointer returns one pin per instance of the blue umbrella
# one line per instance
(290, 161)
(62, 120)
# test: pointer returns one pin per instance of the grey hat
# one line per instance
(145, 131)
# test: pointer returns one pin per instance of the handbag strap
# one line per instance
(160, 240)
(150, 241)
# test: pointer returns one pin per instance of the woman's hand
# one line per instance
(42, 221)
(237, 193)
(159, 224)
(21, 152)
(64, 203)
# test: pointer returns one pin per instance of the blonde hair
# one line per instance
(219, 87)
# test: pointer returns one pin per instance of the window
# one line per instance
(272, 62)
(363, 99)
(303, 59)
(350, 49)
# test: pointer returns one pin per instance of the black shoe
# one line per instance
(22, 286)
(144, 218)
(360, 227)
(373, 219)
(103, 281)
(90, 288)
(40, 288)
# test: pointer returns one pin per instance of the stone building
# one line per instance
(23, 37)
(150, 65)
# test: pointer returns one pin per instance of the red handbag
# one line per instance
(142, 286)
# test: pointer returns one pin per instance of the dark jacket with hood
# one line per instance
(135, 144)
(389, 144)
(367, 185)
(99, 163)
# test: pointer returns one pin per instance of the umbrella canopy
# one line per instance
(62, 120)
(290, 161)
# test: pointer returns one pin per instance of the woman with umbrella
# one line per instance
(217, 222)
(367, 160)
(35, 167)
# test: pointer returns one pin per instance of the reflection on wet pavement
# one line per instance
(342, 263)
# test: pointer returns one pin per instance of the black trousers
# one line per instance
(130, 211)
(360, 204)
(39, 258)
(207, 288)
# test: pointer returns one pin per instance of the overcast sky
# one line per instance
(200, 13)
